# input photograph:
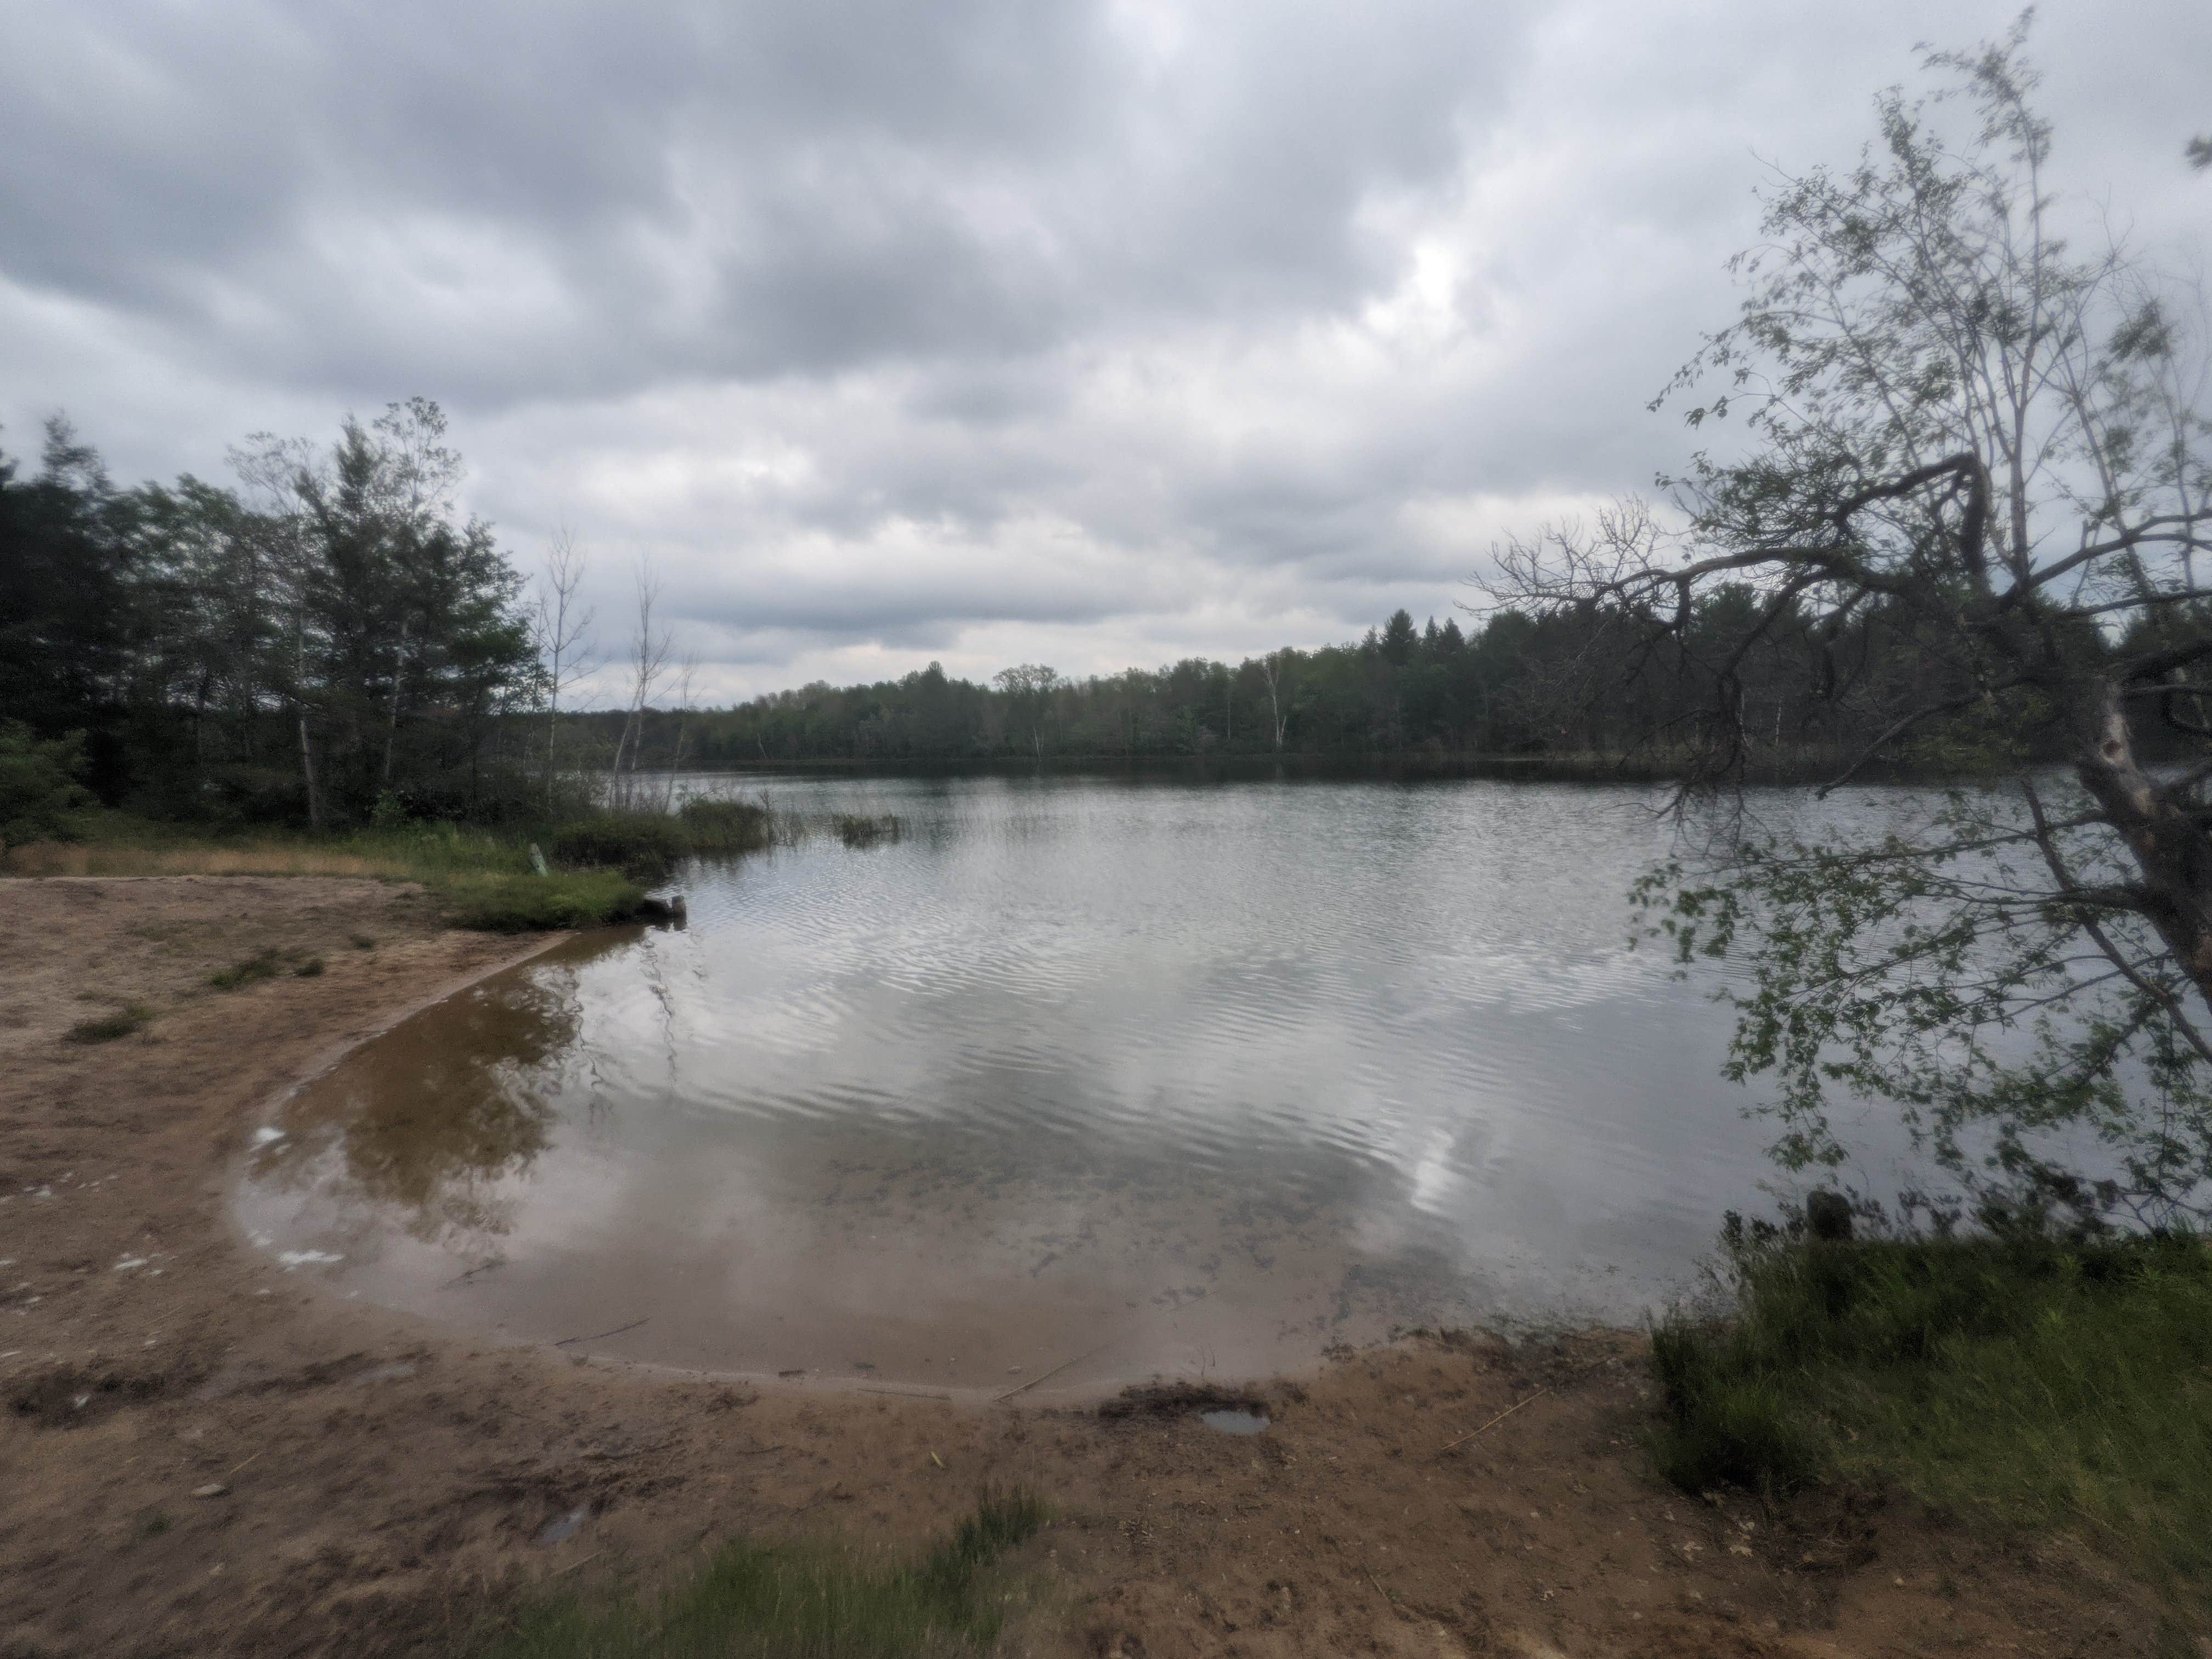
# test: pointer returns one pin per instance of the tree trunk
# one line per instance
(308, 773)
(2170, 850)
(392, 725)
(552, 730)
(300, 705)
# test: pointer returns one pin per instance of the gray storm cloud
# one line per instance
(991, 331)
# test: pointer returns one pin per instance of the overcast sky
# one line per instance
(984, 331)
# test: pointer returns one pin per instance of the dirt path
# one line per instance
(373, 1483)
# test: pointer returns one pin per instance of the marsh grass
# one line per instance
(796, 1601)
(2024, 1382)
(858, 831)
(109, 1028)
(716, 825)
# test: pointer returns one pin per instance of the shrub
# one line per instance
(41, 787)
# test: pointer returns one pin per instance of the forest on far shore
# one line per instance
(327, 640)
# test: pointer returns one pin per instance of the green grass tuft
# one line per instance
(109, 1027)
(2029, 1382)
(266, 965)
(531, 903)
(796, 1601)
(311, 969)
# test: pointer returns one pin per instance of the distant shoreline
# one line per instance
(1401, 766)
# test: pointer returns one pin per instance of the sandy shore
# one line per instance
(375, 1484)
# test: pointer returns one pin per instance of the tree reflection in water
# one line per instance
(432, 1123)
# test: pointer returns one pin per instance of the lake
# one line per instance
(1079, 1081)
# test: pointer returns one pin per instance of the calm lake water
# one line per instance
(1151, 1078)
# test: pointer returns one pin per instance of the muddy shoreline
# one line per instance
(383, 1484)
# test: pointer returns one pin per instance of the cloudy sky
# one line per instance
(984, 331)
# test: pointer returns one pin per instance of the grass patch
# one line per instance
(311, 969)
(2026, 1381)
(479, 880)
(110, 1027)
(783, 1601)
(531, 903)
(257, 857)
(252, 970)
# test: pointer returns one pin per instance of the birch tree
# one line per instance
(1959, 424)
(560, 625)
(1273, 668)
(650, 644)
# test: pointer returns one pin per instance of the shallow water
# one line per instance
(1234, 1420)
(1077, 1082)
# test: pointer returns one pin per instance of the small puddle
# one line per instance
(1235, 1421)
(562, 1530)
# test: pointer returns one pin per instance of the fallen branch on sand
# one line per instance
(1054, 1371)
(565, 1341)
(1500, 1418)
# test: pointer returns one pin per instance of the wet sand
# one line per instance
(383, 1482)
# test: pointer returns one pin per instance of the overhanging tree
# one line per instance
(1986, 451)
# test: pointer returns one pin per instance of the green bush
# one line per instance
(40, 789)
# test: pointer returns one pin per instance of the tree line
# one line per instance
(325, 635)
(328, 640)
(1790, 688)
